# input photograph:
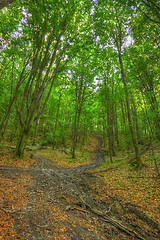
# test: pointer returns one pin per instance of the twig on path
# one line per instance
(41, 226)
(45, 226)
(113, 222)
(76, 208)
(12, 211)
(142, 177)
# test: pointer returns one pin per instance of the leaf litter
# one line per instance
(44, 206)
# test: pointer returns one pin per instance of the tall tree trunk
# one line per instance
(109, 121)
(112, 117)
(19, 151)
(133, 134)
(124, 126)
(116, 126)
(118, 40)
(56, 122)
(104, 129)
(4, 122)
(74, 133)
(147, 85)
(80, 93)
(135, 117)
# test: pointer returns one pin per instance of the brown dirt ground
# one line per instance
(44, 205)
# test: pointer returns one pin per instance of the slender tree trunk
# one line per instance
(116, 126)
(4, 122)
(123, 117)
(133, 135)
(74, 133)
(135, 117)
(36, 131)
(109, 121)
(80, 93)
(149, 92)
(118, 40)
(104, 130)
(56, 122)
(112, 117)
(151, 134)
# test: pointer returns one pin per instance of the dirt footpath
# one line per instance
(48, 202)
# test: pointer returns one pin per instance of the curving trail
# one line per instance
(63, 205)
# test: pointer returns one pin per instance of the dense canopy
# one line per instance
(70, 69)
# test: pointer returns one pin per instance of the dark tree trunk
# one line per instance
(135, 118)
(80, 93)
(133, 134)
(118, 41)
(19, 151)
(56, 122)
(109, 121)
(147, 85)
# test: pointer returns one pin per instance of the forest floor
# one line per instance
(48, 195)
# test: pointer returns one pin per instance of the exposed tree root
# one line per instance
(112, 221)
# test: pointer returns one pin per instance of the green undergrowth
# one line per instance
(124, 156)
(152, 158)
(81, 157)
(64, 158)
(116, 161)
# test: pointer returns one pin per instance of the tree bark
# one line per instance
(56, 121)
(109, 121)
(3, 124)
(19, 151)
(116, 126)
(133, 135)
(80, 93)
(149, 92)
(118, 41)
(135, 117)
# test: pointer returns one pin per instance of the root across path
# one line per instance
(62, 203)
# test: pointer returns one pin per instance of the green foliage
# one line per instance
(116, 161)
(53, 50)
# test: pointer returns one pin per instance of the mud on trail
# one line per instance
(52, 202)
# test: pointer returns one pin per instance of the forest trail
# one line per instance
(61, 203)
